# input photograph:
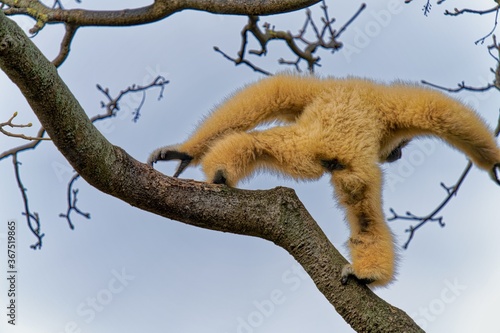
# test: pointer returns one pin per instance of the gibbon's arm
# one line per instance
(341, 127)
(280, 98)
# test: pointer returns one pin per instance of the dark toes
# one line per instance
(332, 165)
(219, 178)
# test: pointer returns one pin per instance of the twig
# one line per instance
(22, 136)
(299, 45)
(32, 219)
(431, 217)
(461, 86)
(427, 8)
(495, 10)
(240, 61)
(457, 12)
(344, 27)
(72, 199)
(65, 45)
(112, 106)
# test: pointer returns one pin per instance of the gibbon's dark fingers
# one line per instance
(494, 173)
(169, 153)
(397, 153)
(348, 271)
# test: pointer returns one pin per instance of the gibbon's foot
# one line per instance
(219, 178)
(348, 271)
(397, 153)
(332, 165)
(494, 173)
(170, 153)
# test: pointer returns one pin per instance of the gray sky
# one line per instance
(127, 271)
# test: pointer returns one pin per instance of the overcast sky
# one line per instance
(126, 270)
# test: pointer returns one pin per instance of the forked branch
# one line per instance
(304, 48)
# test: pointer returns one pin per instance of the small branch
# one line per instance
(137, 111)
(461, 86)
(21, 136)
(457, 12)
(32, 219)
(481, 40)
(427, 8)
(72, 200)
(65, 45)
(240, 61)
(31, 145)
(344, 27)
(299, 45)
(495, 10)
(431, 217)
(112, 106)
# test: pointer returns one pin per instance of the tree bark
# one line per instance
(276, 215)
(158, 10)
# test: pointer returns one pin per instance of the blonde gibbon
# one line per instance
(343, 127)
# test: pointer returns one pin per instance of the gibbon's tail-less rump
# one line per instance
(344, 127)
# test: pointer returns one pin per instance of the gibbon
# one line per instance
(343, 127)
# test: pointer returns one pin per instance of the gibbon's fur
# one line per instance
(344, 127)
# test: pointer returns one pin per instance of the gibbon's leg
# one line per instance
(237, 155)
(358, 189)
(282, 97)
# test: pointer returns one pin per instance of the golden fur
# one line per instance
(341, 126)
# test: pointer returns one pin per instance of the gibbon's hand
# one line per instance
(170, 153)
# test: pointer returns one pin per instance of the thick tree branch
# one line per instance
(276, 215)
(159, 10)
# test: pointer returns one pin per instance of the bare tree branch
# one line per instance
(495, 10)
(28, 146)
(301, 47)
(112, 105)
(65, 45)
(160, 9)
(32, 219)
(72, 200)
(461, 86)
(457, 11)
